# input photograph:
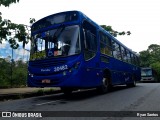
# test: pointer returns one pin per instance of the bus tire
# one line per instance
(66, 91)
(134, 82)
(105, 87)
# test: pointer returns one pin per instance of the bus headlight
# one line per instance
(75, 66)
(30, 74)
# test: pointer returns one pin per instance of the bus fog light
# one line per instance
(31, 75)
(64, 73)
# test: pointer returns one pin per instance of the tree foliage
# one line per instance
(114, 32)
(156, 67)
(150, 56)
(4, 69)
(6, 3)
(12, 73)
(12, 32)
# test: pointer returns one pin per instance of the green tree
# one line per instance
(114, 32)
(151, 55)
(12, 32)
(144, 58)
(18, 75)
(5, 70)
(156, 67)
(6, 3)
(154, 51)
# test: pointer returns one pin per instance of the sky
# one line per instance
(6, 50)
(140, 17)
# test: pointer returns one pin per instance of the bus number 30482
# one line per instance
(60, 68)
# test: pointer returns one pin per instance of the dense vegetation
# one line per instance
(12, 74)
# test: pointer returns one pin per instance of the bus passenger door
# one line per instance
(92, 60)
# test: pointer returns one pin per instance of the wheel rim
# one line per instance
(105, 82)
(105, 85)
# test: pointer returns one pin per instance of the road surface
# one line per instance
(142, 100)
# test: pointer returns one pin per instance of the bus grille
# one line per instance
(46, 63)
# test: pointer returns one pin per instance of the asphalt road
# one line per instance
(144, 99)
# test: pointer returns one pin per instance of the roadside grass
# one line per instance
(44, 91)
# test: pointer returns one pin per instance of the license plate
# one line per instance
(46, 81)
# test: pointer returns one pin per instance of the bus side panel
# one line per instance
(122, 72)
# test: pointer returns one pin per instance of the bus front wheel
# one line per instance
(105, 87)
(133, 84)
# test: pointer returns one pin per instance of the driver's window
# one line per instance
(90, 42)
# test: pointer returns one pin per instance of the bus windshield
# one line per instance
(63, 41)
(146, 72)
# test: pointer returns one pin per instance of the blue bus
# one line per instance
(70, 51)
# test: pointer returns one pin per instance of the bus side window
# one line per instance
(90, 42)
(123, 53)
(133, 59)
(116, 50)
(138, 62)
(105, 44)
(128, 56)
